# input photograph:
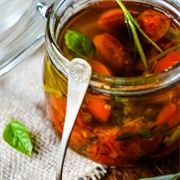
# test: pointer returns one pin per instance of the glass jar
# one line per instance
(22, 26)
(123, 121)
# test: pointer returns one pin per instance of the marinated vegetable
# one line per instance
(154, 23)
(121, 42)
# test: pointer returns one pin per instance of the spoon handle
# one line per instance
(78, 81)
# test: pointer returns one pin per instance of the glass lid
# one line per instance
(22, 27)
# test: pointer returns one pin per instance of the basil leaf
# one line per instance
(144, 133)
(164, 177)
(125, 136)
(79, 45)
(16, 136)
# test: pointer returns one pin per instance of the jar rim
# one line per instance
(22, 26)
(138, 85)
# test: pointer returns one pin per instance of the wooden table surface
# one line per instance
(169, 165)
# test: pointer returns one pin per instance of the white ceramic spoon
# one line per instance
(78, 80)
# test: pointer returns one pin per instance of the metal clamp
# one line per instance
(44, 9)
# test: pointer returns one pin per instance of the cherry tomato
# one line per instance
(113, 19)
(167, 61)
(98, 107)
(170, 115)
(153, 23)
(99, 68)
(112, 53)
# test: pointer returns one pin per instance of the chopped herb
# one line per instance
(125, 136)
(120, 99)
(161, 129)
(144, 133)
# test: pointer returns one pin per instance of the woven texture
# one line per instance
(21, 96)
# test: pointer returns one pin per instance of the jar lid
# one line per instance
(22, 28)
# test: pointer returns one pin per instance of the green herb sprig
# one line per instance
(164, 177)
(164, 53)
(16, 135)
(132, 26)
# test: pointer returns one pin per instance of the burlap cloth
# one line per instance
(21, 96)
